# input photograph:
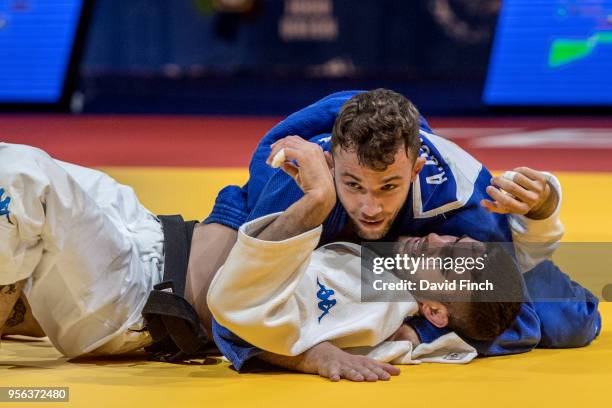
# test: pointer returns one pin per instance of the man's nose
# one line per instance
(370, 206)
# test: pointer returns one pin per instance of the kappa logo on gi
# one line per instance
(4, 205)
(326, 303)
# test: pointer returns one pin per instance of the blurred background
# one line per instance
(171, 97)
(271, 57)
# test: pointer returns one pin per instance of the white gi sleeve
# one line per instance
(253, 293)
(536, 240)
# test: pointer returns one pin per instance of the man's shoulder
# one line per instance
(448, 154)
(448, 178)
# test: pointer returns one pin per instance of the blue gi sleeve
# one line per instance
(237, 351)
(230, 207)
(567, 311)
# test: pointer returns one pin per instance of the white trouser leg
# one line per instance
(91, 250)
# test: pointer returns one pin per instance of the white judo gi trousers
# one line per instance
(90, 252)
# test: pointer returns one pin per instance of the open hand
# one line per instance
(331, 362)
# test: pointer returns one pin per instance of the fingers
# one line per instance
(291, 169)
(527, 183)
(524, 190)
(391, 369)
(368, 374)
(532, 174)
(520, 193)
(294, 142)
(288, 154)
(373, 370)
(505, 202)
(278, 159)
(334, 373)
(352, 374)
(275, 148)
(493, 207)
(287, 138)
(379, 373)
(337, 371)
(294, 153)
(359, 369)
(530, 179)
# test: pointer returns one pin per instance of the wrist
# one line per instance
(548, 205)
(319, 204)
(311, 358)
(324, 199)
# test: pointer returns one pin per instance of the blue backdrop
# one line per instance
(328, 38)
(552, 52)
(184, 56)
(36, 38)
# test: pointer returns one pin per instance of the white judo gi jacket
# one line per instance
(285, 297)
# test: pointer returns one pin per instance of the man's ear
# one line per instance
(418, 166)
(330, 161)
(435, 312)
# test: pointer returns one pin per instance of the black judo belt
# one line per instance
(172, 322)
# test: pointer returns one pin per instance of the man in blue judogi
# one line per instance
(393, 176)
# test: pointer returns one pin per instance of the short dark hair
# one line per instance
(482, 321)
(489, 313)
(375, 125)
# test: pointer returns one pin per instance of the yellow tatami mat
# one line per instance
(542, 378)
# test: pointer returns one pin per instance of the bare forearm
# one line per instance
(307, 213)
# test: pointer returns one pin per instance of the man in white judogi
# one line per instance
(85, 251)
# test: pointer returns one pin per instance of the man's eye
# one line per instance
(353, 186)
(388, 187)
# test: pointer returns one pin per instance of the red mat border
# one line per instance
(217, 141)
